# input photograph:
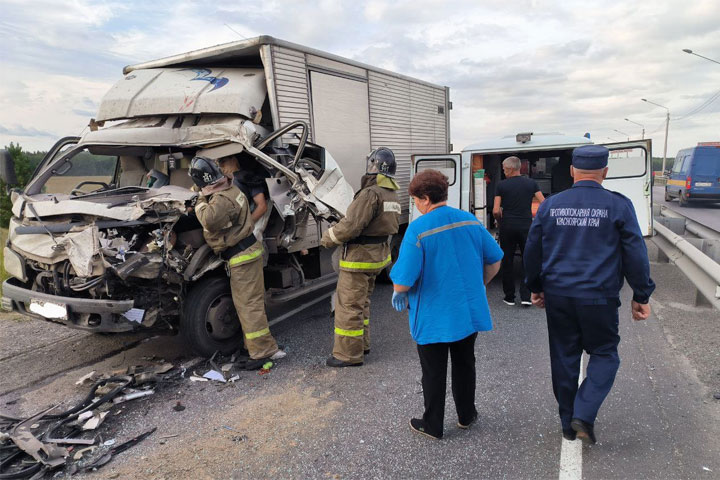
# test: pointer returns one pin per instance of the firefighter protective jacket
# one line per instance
(373, 213)
(225, 217)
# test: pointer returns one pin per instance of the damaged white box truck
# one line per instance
(101, 238)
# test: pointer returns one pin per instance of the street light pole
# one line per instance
(622, 133)
(667, 127)
(636, 123)
(687, 50)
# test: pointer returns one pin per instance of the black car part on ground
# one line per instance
(29, 449)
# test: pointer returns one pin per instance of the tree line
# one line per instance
(25, 164)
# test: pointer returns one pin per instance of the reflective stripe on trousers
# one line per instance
(244, 258)
(365, 265)
(259, 333)
(349, 333)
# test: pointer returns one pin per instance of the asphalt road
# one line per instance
(705, 213)
(304, 420)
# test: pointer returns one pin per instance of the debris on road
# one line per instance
(89, 378)
(132, 396)
(52, 440)
(214, 375)
(94, 421)
(48, 440)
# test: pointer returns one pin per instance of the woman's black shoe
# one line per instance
(418, 425)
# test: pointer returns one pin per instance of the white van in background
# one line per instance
(546, 159)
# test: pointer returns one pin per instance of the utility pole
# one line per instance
(640, 124)
(667, 127)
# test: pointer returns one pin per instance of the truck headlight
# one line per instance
(14, 264)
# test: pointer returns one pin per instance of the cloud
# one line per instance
(21, 131)
(511, 65)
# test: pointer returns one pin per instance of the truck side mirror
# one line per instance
(7, 168)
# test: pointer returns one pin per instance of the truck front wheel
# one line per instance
(209, 321)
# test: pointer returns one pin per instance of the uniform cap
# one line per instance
(590, 157)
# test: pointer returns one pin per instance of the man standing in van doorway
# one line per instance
(581, 245)
(364, 237)
(513, 210)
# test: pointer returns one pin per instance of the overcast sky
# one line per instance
(567, 66)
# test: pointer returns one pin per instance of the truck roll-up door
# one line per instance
(630, 173)
(341, 121)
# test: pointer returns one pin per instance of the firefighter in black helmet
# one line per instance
(223, 211)
(364, 234)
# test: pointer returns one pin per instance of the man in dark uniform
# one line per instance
(581, 245)
(364, 234)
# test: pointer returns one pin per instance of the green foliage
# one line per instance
(657, 163)
(25, 164)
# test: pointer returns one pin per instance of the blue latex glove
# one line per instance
(399, 301)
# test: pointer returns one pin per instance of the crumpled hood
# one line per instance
(117, 207)
(80, 244)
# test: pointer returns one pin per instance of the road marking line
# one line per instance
(571, 451)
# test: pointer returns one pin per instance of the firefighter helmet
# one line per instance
(381, 160)
(204, 171)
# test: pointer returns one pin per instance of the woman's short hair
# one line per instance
(431, 184)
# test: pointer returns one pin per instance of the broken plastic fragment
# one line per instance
(79, 454)
(86, 378)
(163, 368)
(234, 378)
(133, 396)
(84, 416)
(195, 378)
(95, 421)
(215, 375)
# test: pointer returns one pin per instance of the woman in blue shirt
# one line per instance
(446, 259)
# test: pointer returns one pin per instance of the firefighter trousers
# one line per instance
(352, 315)
(248, 292)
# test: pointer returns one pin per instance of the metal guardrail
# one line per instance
(697, 229)
(700, 269)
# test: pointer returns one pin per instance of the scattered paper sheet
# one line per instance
(215, 375)
(135, 315)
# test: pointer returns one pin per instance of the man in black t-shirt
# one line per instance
(513, 210)
(250, 179)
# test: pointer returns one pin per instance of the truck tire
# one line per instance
(209, 321)
(667, 195)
